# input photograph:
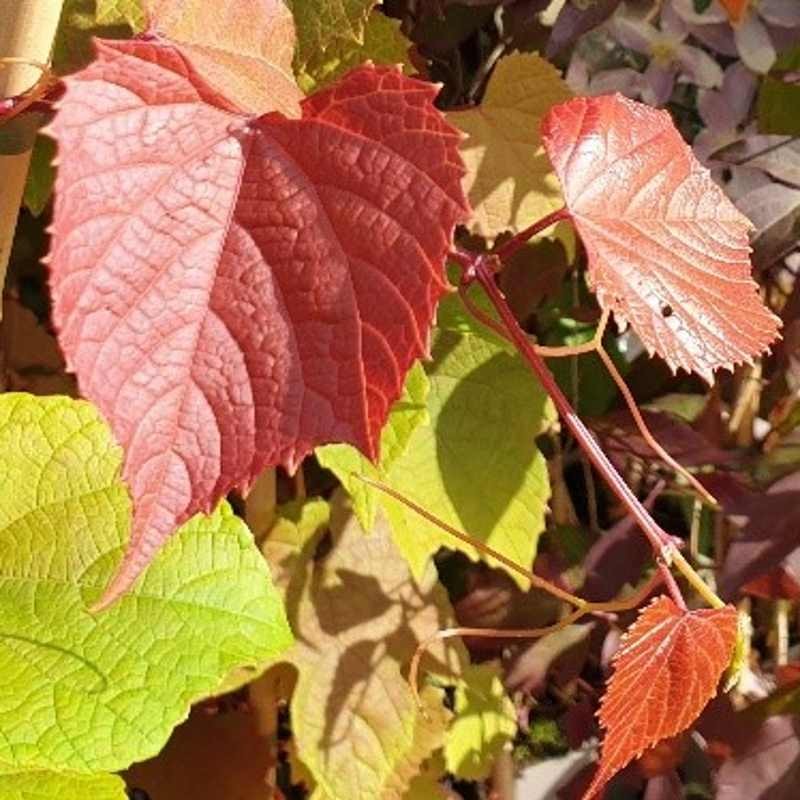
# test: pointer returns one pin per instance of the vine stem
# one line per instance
(581, 608)
(595, 345)
(633, 601)
(32, 94)
(505, 251)
(535, 580)
(482, 269)
(645, 431)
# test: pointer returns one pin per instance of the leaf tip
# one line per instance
(128, 572)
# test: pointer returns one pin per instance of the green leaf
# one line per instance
(94, 693)
(544, 738)
(83, 19)
(39, 785)
(485, 721)
(686, 407)
(122, 12)
(779, 100)
(39, 183)
(408, 413)
(474, 463)
(384, 42)
(334, 36)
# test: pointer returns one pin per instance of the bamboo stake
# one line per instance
(27, 32)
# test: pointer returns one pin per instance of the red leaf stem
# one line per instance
(506, 250)
(481, 269)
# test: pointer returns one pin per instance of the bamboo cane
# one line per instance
(27, 30)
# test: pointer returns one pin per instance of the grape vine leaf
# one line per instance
(509, 181)
(358, 616)
(472, 459)
(243, 49)
(121, 12)
(42, 785)
(485, 722)
(666, 669)
(86, 693)
(334, 36)
(406, 415)
(384, 43)
(232, 291)
(667, 250)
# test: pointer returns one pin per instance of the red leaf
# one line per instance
(665, 671)
(667, 251)
(233, 291)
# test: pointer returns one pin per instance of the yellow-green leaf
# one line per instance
(484, 722)
(779, 99)
(41, 785)
(122, 12)
(474, 463)
(80, 21)
(509, 181)
(91, 693)
(41, 174)
(334, 36)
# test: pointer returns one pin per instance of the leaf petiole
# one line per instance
(483, 273)
(506, 250)
(613, 606)
(482, 268)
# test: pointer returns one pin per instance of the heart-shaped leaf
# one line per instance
(509, 181)
(359, 616)
(668, 252)
(85, 693)
(435, 443)
(666, 669)
(232, 291)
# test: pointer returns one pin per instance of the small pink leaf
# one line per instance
(668, 252)
(666, 669)
(233, 291)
